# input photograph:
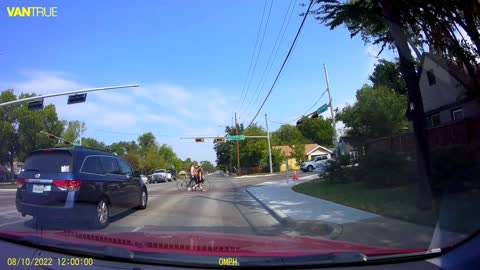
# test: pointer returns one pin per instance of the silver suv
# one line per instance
(318, 162)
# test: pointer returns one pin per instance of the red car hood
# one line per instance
(208, 244)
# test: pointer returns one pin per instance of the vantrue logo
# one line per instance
(48, 12)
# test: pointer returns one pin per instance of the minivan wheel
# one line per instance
(102, 214)
(310, 168)
(143, 200)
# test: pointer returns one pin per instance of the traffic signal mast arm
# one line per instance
(51, 136)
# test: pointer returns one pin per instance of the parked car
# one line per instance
(318, 162)
(76, 183)
(160, 176)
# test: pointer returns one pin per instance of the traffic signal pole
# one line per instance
(331, 109)
(269, 147)
(238, 145)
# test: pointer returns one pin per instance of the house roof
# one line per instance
(309, 148)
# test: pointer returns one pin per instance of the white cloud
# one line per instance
(42, 82)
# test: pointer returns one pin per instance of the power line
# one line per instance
(253, 54)
(284, 62)
(274, 50)
(295, 119)
(259, 50)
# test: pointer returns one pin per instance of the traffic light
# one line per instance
(36, 105)
(199, 139)
(299, 122)
(51, 137)
(219, 140)
(79, 98)
(314, 115)
(66, 142)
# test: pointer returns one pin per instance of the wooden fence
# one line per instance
(455, 133)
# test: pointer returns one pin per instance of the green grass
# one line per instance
(398, 203)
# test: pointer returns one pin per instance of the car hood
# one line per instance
(205, 244)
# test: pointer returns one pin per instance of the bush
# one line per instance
(340, 171)
(455, 168)
(384, 169)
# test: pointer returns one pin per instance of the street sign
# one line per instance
(322, 108)
(236, 137)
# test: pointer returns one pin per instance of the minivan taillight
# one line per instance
(20, 182)
(67, 185)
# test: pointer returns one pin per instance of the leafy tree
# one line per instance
(225, 154)
(298, 152)
(20, 128)
(93, 143)
(166, 152)
(207, 166)
(387, 73)
(146, 140)
(317, 130)
(74, 131)
(277, 159)
(378, 112)
(253, 151)
(122, 147)
(287, 135)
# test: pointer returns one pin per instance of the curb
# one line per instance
(7, 189)
(316, 227)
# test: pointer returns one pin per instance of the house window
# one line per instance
(435, 120)
(428, 122)
(457, 114)
(431, 77)
(353, 155)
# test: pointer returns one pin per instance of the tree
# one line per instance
(277, 159)
(287, 135)
(377, 112)
(387, 73)
(93, 143)
(166, 152)
(74, 131)
(122, 147)
(207, 166)
(253, 151)
(298, 153)
(8, 129)
(146, 140)
(224, 153)
(317, 130)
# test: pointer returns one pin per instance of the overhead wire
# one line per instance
(274, 51)
(259, 50)
(284, 62)
(306, 113)
(253, 55)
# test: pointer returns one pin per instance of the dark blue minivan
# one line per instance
(78, 182)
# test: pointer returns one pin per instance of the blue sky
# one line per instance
(190, 57)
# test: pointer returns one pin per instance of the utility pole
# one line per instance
(331, 109)
(238, 146)
(269, 147)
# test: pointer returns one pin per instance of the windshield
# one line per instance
(356, 121)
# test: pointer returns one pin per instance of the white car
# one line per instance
(144, 179)
(316, 163)
(161, 176)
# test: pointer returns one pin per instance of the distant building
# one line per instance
(311, 151)
(444, 92)
(351, 146)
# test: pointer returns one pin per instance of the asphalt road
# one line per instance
(225, 208)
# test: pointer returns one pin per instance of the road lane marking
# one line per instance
(13, 222)
(137, 228)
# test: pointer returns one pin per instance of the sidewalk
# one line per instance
(311, 216)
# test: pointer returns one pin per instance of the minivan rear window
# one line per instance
(49, 162)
